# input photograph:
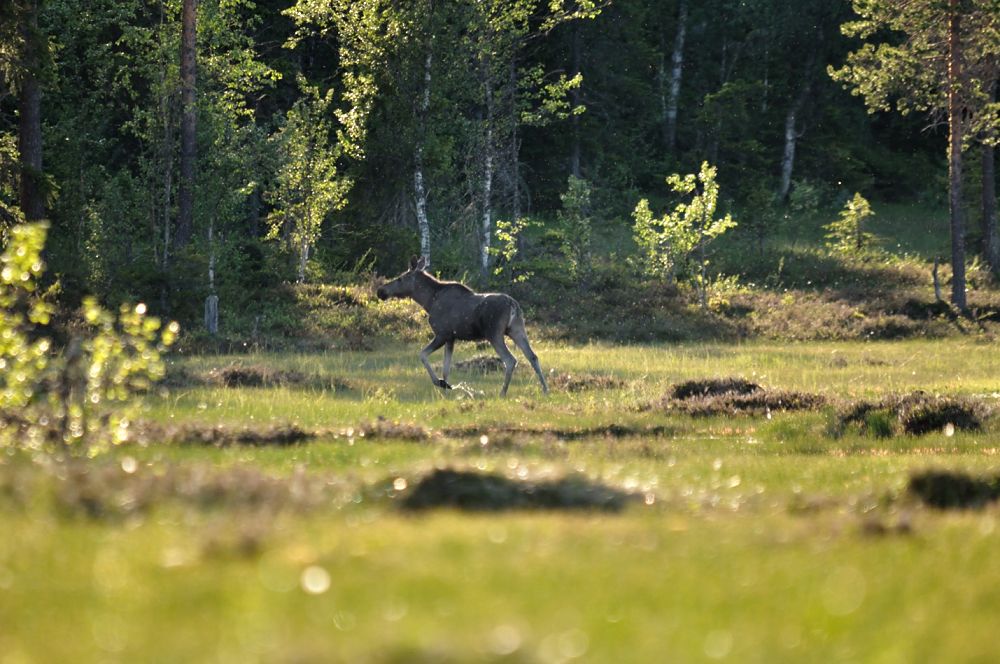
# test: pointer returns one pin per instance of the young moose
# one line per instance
(456, 312)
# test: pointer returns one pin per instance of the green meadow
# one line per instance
(739, 537)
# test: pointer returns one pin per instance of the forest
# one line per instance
(220, 149)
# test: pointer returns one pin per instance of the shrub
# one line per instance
(80, 396)
(847, 235)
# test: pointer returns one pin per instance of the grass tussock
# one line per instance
(564, 382)
(252, 375)
(481, 364)
(476, 491)
(386, 429)
(951, 490)
(734, 396)
(220, 435)
(914, 414)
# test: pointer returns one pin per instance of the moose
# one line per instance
(457, 312)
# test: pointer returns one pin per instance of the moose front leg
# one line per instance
(446, 368)
(435, 343)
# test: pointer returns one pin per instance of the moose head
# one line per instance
(404, 284)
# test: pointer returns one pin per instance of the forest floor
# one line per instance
(790, 288)
(336, 507)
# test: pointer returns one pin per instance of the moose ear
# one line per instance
(421, 263)
(413, 262)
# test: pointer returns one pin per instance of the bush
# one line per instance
(80, 396)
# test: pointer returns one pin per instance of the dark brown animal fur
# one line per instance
(458, 313)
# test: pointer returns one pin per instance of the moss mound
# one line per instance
(734, 396)
(475, 491)
(949, 490)
(915, 414)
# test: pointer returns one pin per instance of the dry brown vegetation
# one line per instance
(734, 396)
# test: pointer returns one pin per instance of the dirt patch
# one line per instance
(915, 414)
(475, 491)
(481, 364)
(565, 382)
(951, 490)
(734, 396)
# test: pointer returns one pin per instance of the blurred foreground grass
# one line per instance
(751, 539)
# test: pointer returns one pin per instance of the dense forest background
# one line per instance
(217, 151)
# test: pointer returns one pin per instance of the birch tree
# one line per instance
(308, 186)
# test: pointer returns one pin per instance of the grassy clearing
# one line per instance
(740, 538)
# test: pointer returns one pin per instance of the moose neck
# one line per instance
(425, 288)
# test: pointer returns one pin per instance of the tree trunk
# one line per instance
(574, 165)
(991, 243)
(31, 193)
(792, 135)
(955, 156)
(515, 147)
(788, 156)
(185, 197)
(487, 212)
(677, 65)
(419, 192)
(212, 301)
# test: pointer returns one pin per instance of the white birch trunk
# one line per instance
(788, 156)
(303, 260)
(419, 192)
(677, 67)
(487, 215)
(212, 301)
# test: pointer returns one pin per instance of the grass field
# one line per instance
(743, 538)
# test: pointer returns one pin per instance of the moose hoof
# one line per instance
(442, 383)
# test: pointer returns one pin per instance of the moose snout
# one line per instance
(382, 295)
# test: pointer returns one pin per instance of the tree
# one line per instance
(940, 59)
(307, 186)
(847, 235)
(671, 240)
(189, 146)
(32, 57)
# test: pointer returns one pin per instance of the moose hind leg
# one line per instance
(509, 361)
(520, 338)
(435, 343)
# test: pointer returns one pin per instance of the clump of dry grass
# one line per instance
(481, 364)
(383, 428)
(915, 414)
(476, 491)
(252, 375)
(734, 396)
(952, 490)
(221, 435)
(583, 381)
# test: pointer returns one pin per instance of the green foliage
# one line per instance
(506, 248)
(577, 226)
(847, 235)
(670, 241)
(308, 186)
(81, 397)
